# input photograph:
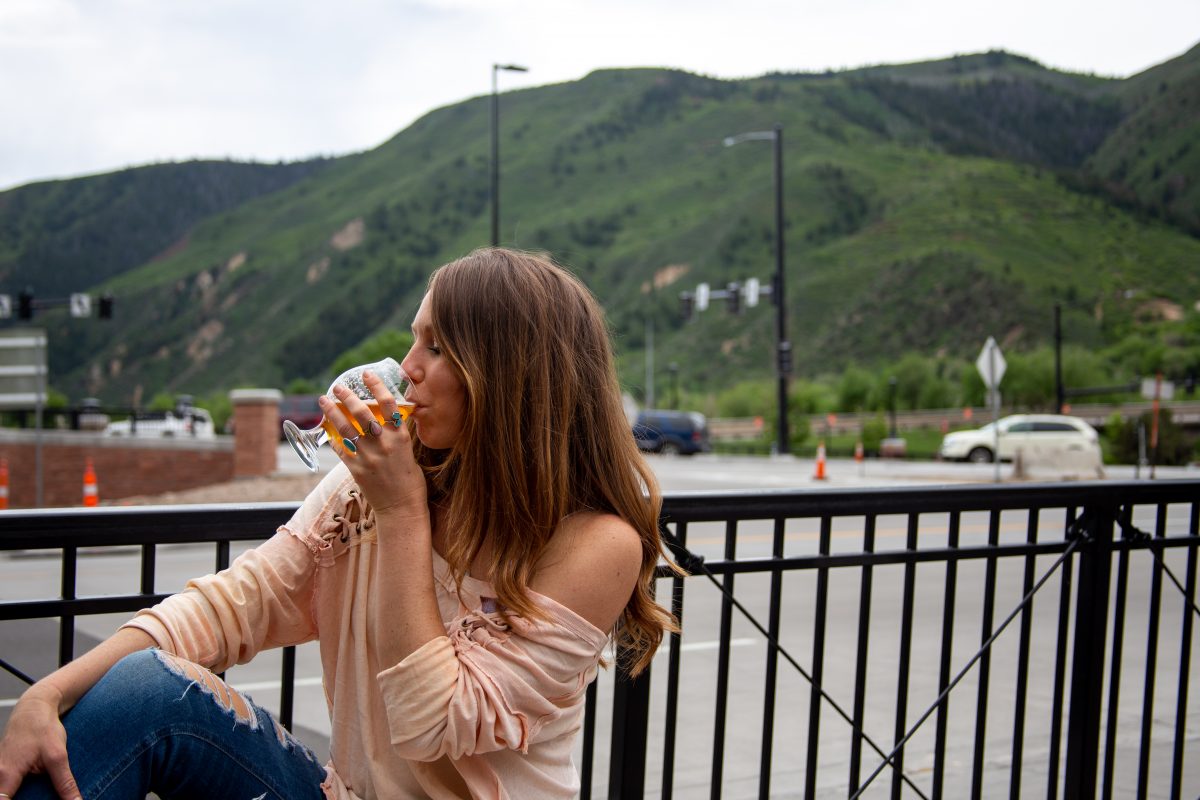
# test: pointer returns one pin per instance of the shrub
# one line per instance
(1174, 448)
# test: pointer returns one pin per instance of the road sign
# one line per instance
(991, 364)
(81, 305)
(751, 290)
(702, 292)
(22, 368)
(1154, 388)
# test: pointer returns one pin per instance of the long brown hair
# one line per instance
(545, 433)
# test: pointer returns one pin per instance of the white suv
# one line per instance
(1038, 437)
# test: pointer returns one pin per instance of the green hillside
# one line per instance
(928, 206)
(1152, 160)
(59, 237)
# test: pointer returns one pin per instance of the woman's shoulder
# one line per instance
(591, 566)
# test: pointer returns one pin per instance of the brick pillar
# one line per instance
(255, 431)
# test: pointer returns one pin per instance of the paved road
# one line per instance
(31, 643)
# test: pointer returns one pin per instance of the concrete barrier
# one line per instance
(1056, 463)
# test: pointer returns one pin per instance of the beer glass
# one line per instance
(307, 443)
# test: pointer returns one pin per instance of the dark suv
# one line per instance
(672, 432)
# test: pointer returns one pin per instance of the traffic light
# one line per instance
(783, 353)
(733, 297)
(686, 304)
(25, 306)
(106, 306)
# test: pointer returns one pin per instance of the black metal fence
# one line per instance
(970, 641)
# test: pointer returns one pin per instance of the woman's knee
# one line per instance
(213, 687)
(136, 672)
(153, 677)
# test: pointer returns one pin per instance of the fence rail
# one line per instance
(974, 641)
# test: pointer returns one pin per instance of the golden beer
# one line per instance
(404, 408)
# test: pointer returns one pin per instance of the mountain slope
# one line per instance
(59, 237)
(1153, 160)
(927, 207)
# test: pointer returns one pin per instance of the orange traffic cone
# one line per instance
(820, 473)
(3, 483)
(91, 493)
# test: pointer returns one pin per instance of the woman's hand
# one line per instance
(35, 741)
(381, 458)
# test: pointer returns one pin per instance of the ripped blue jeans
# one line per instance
(156, 723)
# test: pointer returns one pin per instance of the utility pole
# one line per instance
(1059, 392)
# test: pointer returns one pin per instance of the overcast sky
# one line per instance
(92, 86)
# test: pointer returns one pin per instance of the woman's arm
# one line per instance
(406, 558)
(34, 739)
(384, 468)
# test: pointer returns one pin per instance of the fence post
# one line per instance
(631, 718)
(1087, 662)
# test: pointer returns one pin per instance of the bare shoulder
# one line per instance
(591, 566)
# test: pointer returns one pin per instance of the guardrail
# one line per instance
(957, 642)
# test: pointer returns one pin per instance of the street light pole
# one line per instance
(783, 348)
(496, 147)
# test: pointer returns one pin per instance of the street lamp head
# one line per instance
(730, 141)
(510, 67)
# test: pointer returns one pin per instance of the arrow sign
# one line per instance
(991, 364)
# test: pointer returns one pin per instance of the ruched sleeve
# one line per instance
(263, 600)
(491, 684)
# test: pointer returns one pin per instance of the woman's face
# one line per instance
(436, 390)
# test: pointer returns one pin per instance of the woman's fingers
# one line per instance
(59, 772)
(388, 402)
(379, 389)
(342, 421)
(35, 742)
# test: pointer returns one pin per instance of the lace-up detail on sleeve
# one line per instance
(346, 521)
(334, 516)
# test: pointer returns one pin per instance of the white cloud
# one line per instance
(94, 85)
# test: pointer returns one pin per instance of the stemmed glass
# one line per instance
(307, 443)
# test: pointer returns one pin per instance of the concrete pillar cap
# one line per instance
(255, 396)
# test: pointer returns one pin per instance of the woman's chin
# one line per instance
(432, 442)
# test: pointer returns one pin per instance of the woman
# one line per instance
(463, 573)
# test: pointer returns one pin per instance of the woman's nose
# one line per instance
(411, 369)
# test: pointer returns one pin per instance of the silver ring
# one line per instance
(350, 445)
(375, 429)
